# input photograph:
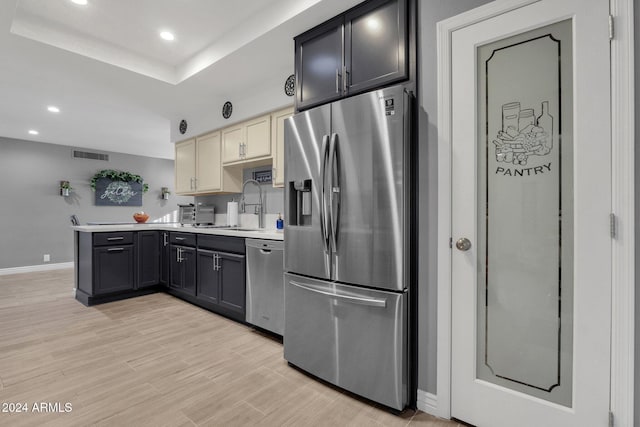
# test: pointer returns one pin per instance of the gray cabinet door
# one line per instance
(318, 63)
(164, 258)
(189, 273)
(113, 269)
(148, 245)
(183, 269)
(375, 46)
(232, 282)
(208, 282)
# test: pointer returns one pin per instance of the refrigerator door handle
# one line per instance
(334, 192)
(324, 218)
(373, 302)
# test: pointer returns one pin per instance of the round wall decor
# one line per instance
(290, 85)
(227, 109)
(183, 126)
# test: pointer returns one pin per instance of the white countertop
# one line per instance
(264, 233)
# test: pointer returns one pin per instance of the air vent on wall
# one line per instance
(89, 155)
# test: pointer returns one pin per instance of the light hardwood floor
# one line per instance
(157, 361)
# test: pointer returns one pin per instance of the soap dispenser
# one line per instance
(279, 222)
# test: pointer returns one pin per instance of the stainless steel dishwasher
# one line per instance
(265, 284)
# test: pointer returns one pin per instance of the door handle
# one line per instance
(373, 302)
(463, 244)
(265, 251)
(334, 185)
(324, 219)
(345, 79)
(164, 239)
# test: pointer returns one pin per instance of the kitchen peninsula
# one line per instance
(204, 266)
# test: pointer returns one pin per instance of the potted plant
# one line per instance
(165, 193)
(65, 188)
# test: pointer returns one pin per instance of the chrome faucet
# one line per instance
(259, 207)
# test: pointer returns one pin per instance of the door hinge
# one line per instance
(611, 28)
(613, 225)
(610, 419)
(450, 242)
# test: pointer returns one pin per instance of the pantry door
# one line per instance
(531, 198)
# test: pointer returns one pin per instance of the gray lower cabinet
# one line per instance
(232, 282)
(205, 270)
(164, 258)
(113, 269)
(221, 281)
(114, 265)
(148, 245)
(183, 269)
(221, 275)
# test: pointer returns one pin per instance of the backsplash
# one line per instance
(273, 199)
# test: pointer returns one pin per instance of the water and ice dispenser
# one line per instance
(300, 202)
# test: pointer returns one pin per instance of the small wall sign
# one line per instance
(263, 177)
(118, 193)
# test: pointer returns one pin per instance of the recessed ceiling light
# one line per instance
(33, 132)
(53, 109)
(80, 2)
(166, 35)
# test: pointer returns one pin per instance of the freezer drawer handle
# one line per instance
(374, 302)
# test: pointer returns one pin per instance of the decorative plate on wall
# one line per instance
(290, 85)
(183, 126)
(227, 109)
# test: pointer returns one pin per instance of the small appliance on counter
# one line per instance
(199, 214)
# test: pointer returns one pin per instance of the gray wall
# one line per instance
(637, 212)
(431, 11)
(34, 218)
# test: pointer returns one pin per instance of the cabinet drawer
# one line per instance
(115, 238)
(184, 239)
(222, 243)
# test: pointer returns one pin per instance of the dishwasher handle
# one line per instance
(265, 245)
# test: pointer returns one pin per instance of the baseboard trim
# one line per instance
(34, 268)
(427, 402)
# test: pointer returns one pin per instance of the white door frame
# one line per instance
(622, 204)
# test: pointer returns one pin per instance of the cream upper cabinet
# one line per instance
(208, 163)
(232, 143)
(277, 144)
(185, 166)
(198, 167)
(248, 140)
(258, 137)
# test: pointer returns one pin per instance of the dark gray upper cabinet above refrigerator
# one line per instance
(362, 49)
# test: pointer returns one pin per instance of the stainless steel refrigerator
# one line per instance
(347, 244)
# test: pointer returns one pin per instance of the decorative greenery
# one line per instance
(65, 185)
(115, 175)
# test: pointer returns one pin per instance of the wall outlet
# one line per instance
(47, 258)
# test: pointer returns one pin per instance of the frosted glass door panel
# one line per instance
(525, 226)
